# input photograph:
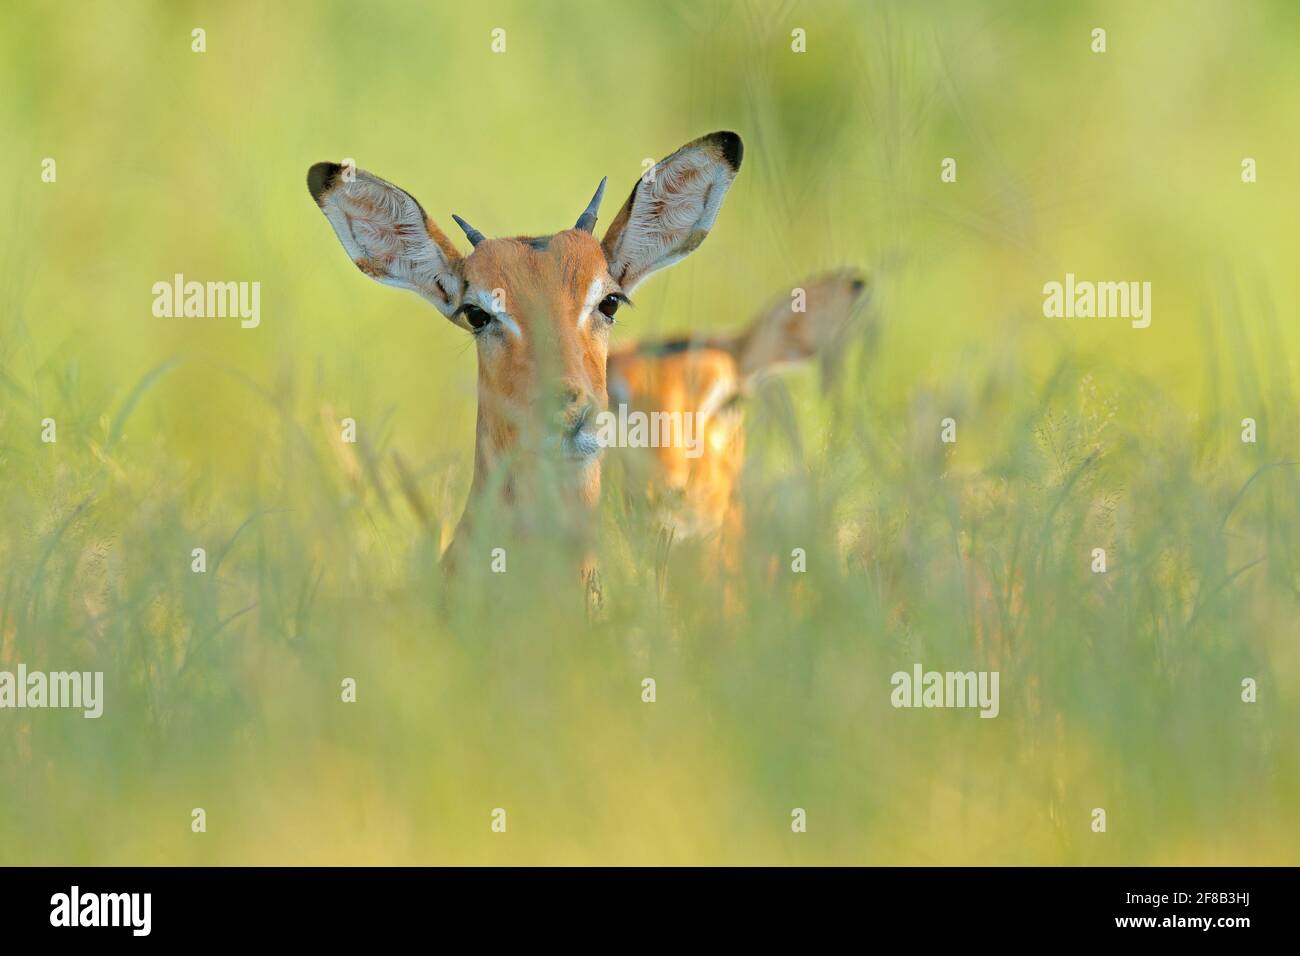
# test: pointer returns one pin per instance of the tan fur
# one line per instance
(544, 291)
(697, 496)
(542, 355)
(691, 494)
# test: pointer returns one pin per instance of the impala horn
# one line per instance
(472, 234)
(587, 221)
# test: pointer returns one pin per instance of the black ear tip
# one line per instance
(733, 150)
(857, 279)
(320, 178)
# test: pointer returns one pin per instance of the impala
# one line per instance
(540, 309)
(695, 494)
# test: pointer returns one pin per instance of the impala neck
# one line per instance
(509, 484)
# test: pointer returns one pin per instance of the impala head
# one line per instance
(709, 376)
(539, 308)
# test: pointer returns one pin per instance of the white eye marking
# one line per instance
(713, 399)
(511, 325)
(589, 303)
(491, 304)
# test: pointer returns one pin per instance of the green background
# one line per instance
(1120, 691)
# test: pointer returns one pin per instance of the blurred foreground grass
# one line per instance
(1119, 691)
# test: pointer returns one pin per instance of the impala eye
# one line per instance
(609, 305)
(476, 318)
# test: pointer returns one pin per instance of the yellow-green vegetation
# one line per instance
(1119, 690)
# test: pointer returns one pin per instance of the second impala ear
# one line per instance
(672, 208)
(812, 319)
(387, 234)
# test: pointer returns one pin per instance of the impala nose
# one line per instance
(567, 397)
(580, 417)
(575, 411)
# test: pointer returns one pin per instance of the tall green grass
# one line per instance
(1119, 690)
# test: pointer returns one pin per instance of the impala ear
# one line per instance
(812, 319)
(387, 234)
(672, 208)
